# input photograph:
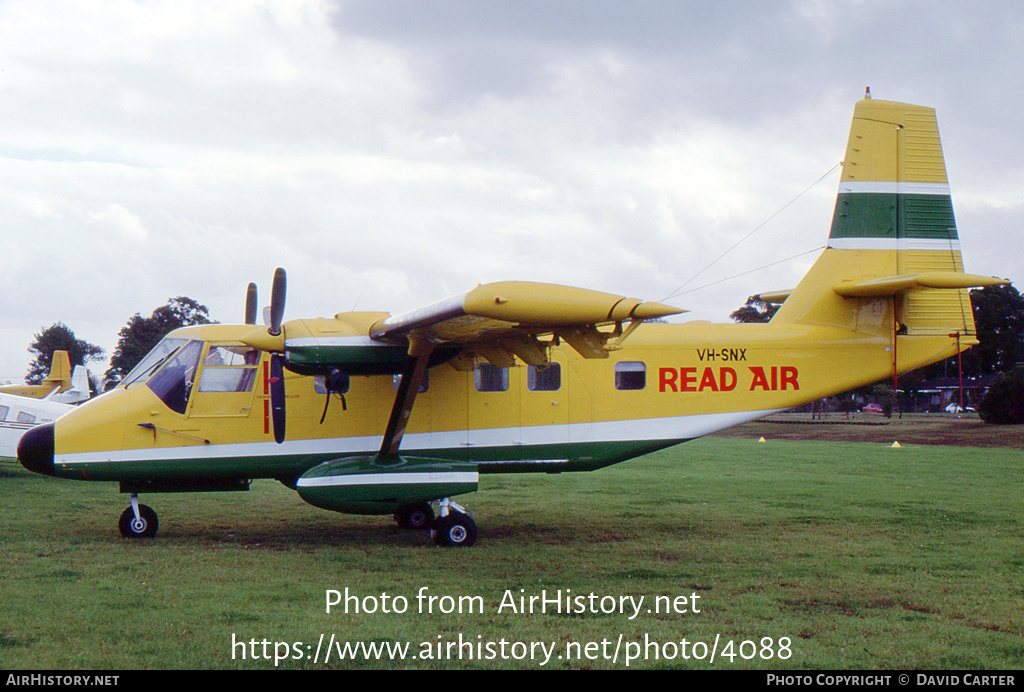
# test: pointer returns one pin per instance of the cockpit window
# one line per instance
(153, 360)
(173, 382)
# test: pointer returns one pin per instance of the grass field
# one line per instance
(804, 554)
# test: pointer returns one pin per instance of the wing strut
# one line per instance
(408, 387)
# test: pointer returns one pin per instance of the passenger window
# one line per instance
(630, 375)
(229, 369)
(4, 410)
(489, 378)
(26, 417)
(546, 379)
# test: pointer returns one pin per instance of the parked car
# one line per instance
(955, 408)
(872, 408)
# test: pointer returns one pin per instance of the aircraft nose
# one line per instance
(35, 450)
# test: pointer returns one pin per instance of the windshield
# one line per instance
(173, 382)
(153, 360)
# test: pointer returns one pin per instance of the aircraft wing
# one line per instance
(502, 319)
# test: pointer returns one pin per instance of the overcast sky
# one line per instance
(390, 154)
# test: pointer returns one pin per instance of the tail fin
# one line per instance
(892, 264)
(79, 386)
(60, 371)
(58, 380)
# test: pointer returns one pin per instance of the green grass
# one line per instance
(863, 556)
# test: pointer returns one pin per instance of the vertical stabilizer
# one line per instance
(894, 195)
(893, 219)
(79, 386)
(60, 371)
(58, 380)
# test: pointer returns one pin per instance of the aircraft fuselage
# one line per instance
(672, 383)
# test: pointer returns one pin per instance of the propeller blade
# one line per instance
(251, 307)
(277, 296)
(277, 410)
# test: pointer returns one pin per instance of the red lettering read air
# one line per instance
(775, 378)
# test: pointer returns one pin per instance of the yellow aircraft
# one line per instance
(61, 384)
(369, 413)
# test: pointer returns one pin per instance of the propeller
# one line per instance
(277, 295)
(277, 411)
(277, 395)
(251, 304)
(274, 344)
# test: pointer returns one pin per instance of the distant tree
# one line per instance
(1004, 402)
(141, 334)
(58, 337)
(755, 310)
(999, 324)
(999, 320)
(884, 396)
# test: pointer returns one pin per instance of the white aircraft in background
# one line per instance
(26, 406)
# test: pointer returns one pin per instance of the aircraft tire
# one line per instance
(456, 530)
(130, 527)
(415, 517)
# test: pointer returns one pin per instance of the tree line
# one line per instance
(135, 340)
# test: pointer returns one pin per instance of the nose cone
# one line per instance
(35, 450)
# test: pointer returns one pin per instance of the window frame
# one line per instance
(240, 376)
(540, 379)
(490, 378)
(630, 375)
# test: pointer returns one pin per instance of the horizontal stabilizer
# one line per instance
(774, 297)
(892, 285)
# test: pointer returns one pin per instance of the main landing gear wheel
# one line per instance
(142, 526)
(416, 517)
(456, 530)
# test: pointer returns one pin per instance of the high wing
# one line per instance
(499, 321)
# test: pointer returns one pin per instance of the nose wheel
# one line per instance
(138, 521)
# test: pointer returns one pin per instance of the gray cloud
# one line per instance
(392, 153)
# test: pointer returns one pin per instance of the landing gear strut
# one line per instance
(455, 527)
(138, 521)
